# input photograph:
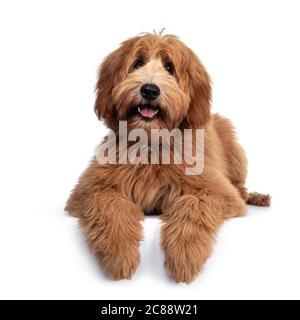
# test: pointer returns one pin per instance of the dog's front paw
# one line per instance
(121, 265)
(187, 238)
(184, 263)
(187, 246)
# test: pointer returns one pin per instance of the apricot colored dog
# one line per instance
(154, 81)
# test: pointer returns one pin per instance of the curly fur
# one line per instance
(111, 200)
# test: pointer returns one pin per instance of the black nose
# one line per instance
(150, 91)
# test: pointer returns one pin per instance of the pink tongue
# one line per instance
(146, 111)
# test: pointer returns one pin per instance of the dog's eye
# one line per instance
(170, 67)
(138, 63)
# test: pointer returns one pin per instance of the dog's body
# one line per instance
(111, 199)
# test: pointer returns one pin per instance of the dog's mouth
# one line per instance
(148, 111)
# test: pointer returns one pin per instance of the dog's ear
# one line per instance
(111, 71)
(200, 94)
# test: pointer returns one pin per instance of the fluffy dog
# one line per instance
(154, 81)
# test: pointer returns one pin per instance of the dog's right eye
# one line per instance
(138, 63)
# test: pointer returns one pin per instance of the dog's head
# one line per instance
(153, 81)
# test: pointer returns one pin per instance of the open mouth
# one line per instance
(148, 111)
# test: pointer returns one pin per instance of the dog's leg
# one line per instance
(111, 224)
(188, 232)
(234, 153)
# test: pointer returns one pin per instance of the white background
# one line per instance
(49, 55)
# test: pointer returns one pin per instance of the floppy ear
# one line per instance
(111, 70)
(200, 93)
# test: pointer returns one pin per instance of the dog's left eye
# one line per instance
(170, 67)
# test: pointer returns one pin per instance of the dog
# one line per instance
(154, 81)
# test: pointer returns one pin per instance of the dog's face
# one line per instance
(153, 82)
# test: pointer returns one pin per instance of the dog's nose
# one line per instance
(150, 91)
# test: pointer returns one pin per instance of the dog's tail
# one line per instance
(258, 199)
